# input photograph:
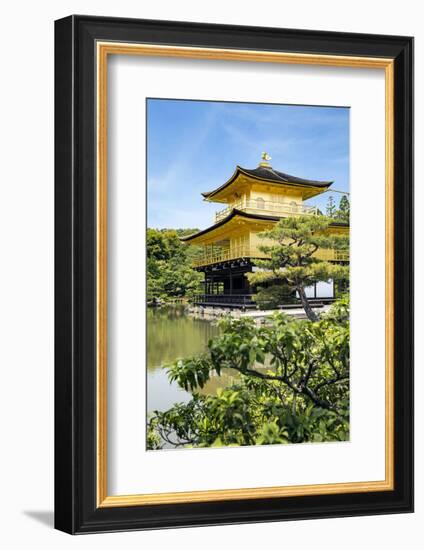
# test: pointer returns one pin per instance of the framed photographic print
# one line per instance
(234, 256)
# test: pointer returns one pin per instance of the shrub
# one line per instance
(272, 297)
(293, 385)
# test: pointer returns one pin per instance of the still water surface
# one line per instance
(172, 334)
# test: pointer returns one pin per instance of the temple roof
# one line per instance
(269, 174)
(225, 220)
(245, 215)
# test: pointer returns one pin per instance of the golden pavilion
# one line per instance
(254, 199)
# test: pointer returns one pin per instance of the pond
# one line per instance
(172, 334)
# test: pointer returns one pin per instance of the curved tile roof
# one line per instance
(267, 173)
(247, 215)
(230, 216)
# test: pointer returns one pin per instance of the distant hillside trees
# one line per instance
(342, 213)
(169, 265)
(330, 209)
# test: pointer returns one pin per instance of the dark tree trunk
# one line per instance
(311, 315)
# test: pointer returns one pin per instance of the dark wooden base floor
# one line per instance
(245, 301)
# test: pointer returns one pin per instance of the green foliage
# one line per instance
(343, 212)
(339, 312)
(293, 386)
(271, 297)
(330, 208)
(169, 271)
(291, 255)
(153, 438)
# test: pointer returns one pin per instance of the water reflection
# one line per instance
(171, 334)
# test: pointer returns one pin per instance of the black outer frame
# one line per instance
(75, 274)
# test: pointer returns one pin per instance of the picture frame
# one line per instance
(83, 45)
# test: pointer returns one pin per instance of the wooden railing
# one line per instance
(224, 299)
(332, 255)
(233, 253)
(246, 251)
(271, 207)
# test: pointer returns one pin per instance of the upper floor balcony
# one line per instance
(261, 206)
(211, 257)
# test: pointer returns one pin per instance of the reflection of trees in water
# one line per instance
(227, 378)
(172, 334)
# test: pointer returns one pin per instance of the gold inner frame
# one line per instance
(104, 49)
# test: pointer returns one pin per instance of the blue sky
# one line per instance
(194, 146)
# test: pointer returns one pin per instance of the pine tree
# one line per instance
(293, 243)
(343, 213)
(331, 207)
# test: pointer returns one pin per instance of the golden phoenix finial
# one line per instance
(265, 158)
